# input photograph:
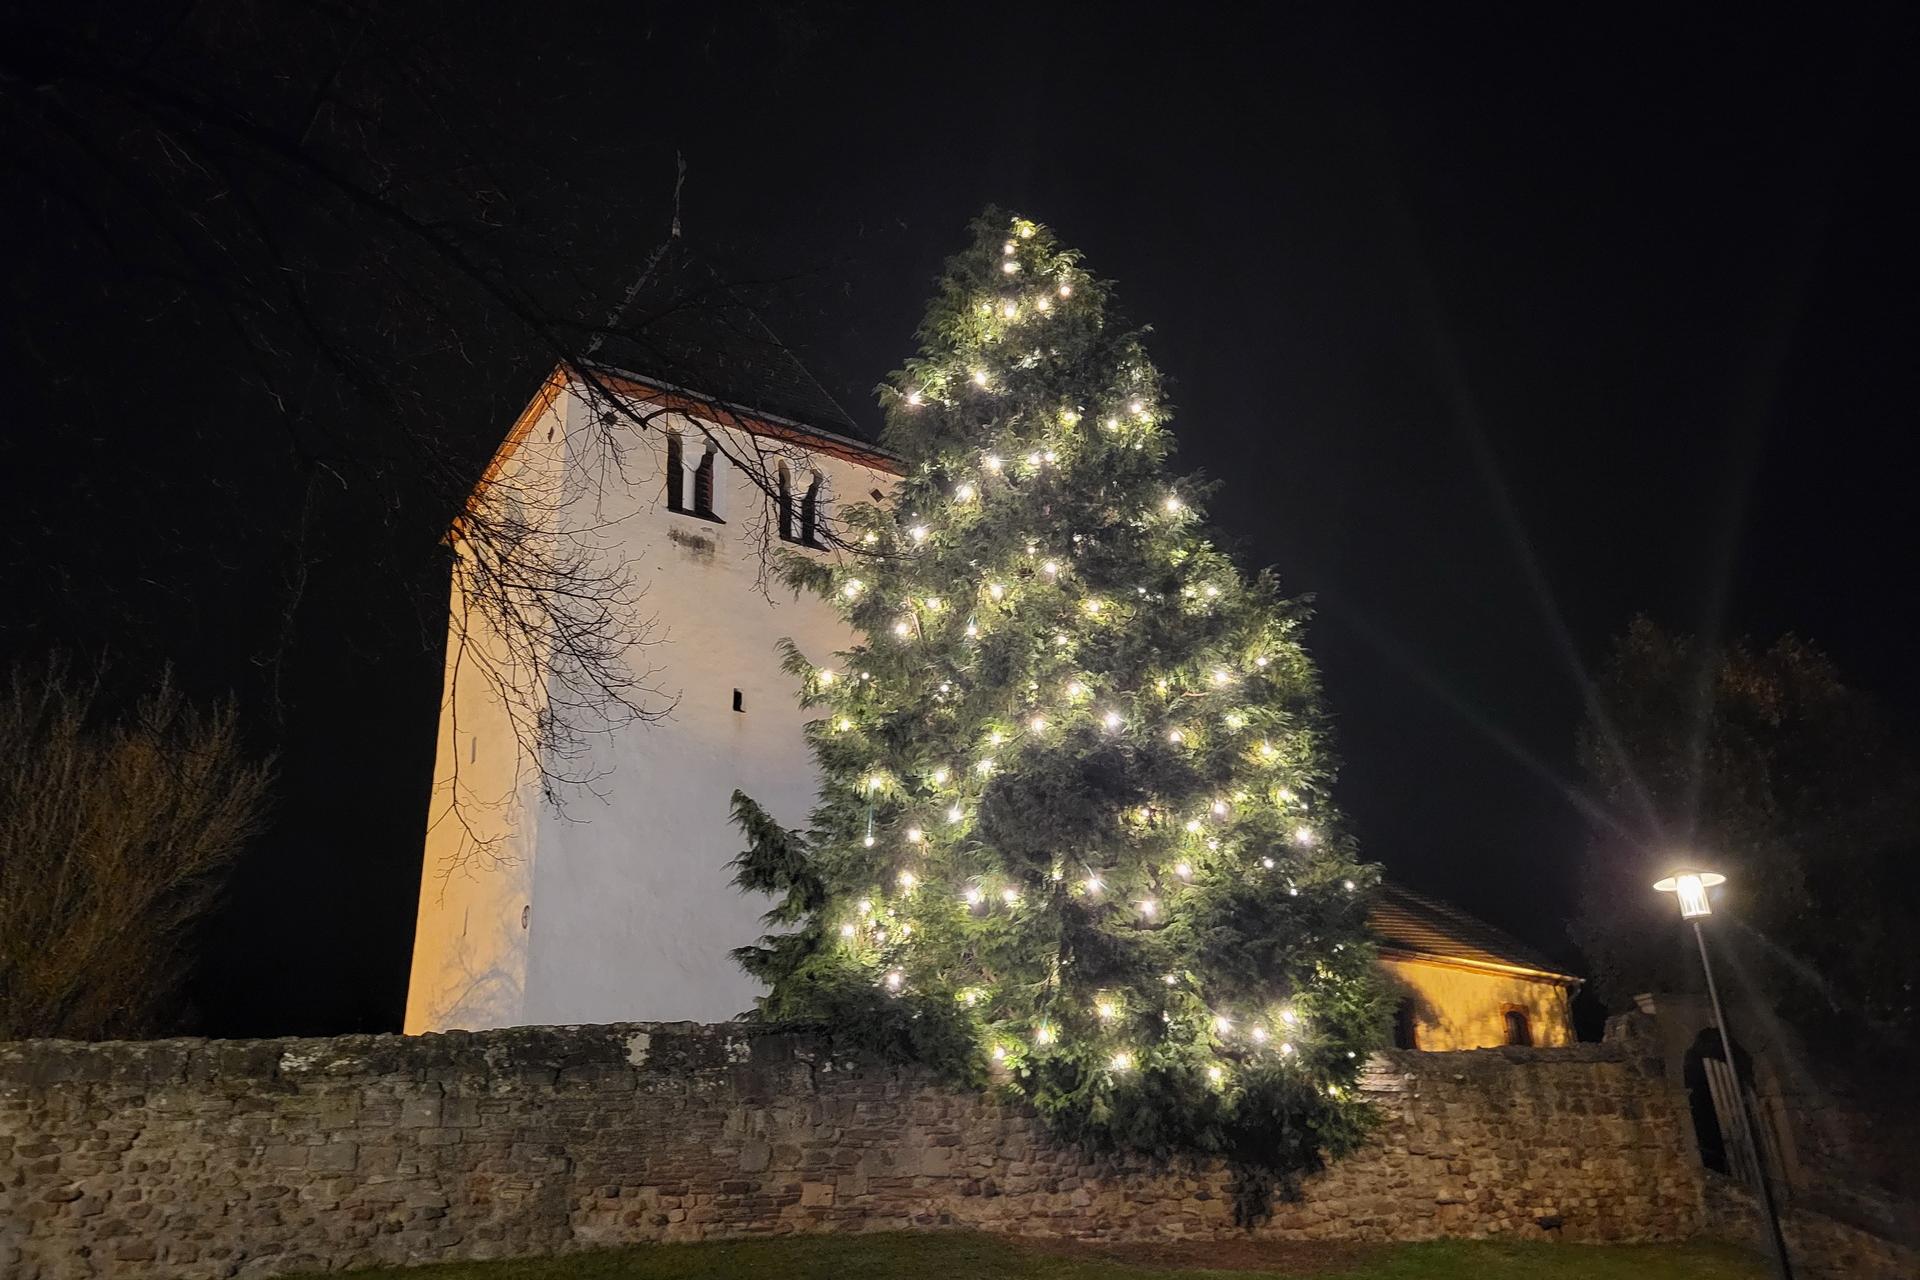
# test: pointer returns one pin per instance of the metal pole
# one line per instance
(1780, 1262)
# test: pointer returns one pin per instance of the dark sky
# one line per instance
(1499, 326)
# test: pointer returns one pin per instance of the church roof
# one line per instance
(1412, 924)
(690, 327)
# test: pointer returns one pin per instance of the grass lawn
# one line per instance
(936, 1255)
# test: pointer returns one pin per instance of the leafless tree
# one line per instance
(359, 218)
(115, 833)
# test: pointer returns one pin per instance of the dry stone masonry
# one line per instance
(191, 1158)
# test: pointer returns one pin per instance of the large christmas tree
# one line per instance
(1074, 832)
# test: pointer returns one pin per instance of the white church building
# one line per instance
(618, 904)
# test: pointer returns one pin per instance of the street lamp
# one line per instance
(1690, 888)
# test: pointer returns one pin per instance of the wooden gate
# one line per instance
(1744, 1152)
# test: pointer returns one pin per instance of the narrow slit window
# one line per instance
(676, 474)
(739, 702)
(810, 514)
(703, 485)
(785, 502)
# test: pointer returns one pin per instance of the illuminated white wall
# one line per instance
(628, 901)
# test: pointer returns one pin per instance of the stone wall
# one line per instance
(182, 1158)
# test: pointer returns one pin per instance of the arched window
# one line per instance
(785, 504)
(676, 475)
(1406, 1027)
(1518, 1030)
(703, 484)
(810, 514)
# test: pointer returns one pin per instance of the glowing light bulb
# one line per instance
(903, 628)
(1122, 1061)
(1219, 808)
(1009, 310)
(1136, 408)
(965, 493)
(979, 377)
(1112, 720)
(1268, 750)
(996, 737)
(1173, 504)
(1286, 1048)
(1010, 266)
(1043, 1034)
(1094, 606)
(894, 979)
(1259, 1035)
(1094, 884)
(908, 880)
(1222, 676)
(996, 590)
(1169, 979)
(991, 462)
(1184, 870)
(1267, 863)
(1214, 1075)
(1222, 1023)
(1260, 661)
(846, 931)
(985, 766)
(864, 906)
(1010, 896)
(1066, 290)
(867, 841)
(853, 588)
(1007, 248)
(1038, 724)
(1033, 459)
(1043, 303)
(973, 629)
(1149, 908)
(972, 896)
(999, 1053)
(1303, 835)
(1350, 886)
(918, 533)
(1105, 1009)
(825, 675)
(935, 604)
(1289, 1017)
(915, 835)
(914, 398)
(1176, 737)
(1051, 456)
(1211, 591)
(955, 813)
(941, 774)
(1193, 826)
(1075, 689)
(843, 724)
(1026, 231)
(1051, 568)
(1235, 720)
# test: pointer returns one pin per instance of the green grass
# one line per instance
(936, 1255)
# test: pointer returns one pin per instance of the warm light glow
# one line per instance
(915, 835)
(1043, 1034)
(1094, 884)
(991, 462)
(1122, 1061)
(1038, 724)
(1051, 568)
(979, 377)
(826, 676)
(908, 880)
(864, 906)
(1214, 1075)
(973, 897)
(846, 931)
(918, 533)
(1149, 908)
(1066, 291)
(1173, 504)
(986, 765)
(1075, 689)
(1222, 676)
(1136, 408)
(913, 398)
(1112, 720)
(1303, 835)
(1222, 1023)
(903, 628)
(1259, 1035)
(1106, 1009)
(1093, 606)
(1184, 870)
(894, 979)
(954, 814)
(1010, 266)
(1690, 887)
(1193, 826)
(1009, 310)
(853, 588)
(995, 590)
(941, 774)
(1289, 1017)
(964, 493)
(1010, 896)
(999, 1053)
(1219, 808)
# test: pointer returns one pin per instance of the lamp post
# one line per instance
(1690, 888)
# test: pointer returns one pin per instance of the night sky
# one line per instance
(1499, 327)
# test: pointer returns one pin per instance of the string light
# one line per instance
(894, 979)
(915, 835)
(999, 1053)
(1010, 896)
(903, 628)
(964, 493)
(1289, 1017)
(1286, 1049)
(1043, 1034)
(1193, 826)
(1075, 689)
(1112, 720)
(1219, 808)
(846, 931)
(1184, 870)
(1303, 835)
(986, 765)
(1259, 1035)
(1051, 568)
(1093, 606)
(1148, 907)
(1033, 459)
(1010, 310)
(918, 533)
(995, 590)
(1222, 676)
(825, 675)
(991, 462)
(864, 906)
(1010, 266)
(1222, 1024)
(913, 398)
(1214, 1075)
(1122, 1061)
(979, 377)
(1038, 724)
(908, 880)
(853, 588)
(1173, 503)
(1066, 290)
(954, 814)
(1176, 737)
(972, 896)
(941, 774)
(1106, 1010)
(1094, 884)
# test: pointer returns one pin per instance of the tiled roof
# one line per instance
(1403, 920)
(688, 326)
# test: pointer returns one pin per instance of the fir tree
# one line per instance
(1074, 832)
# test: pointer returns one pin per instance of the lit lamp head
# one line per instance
(1691, 888)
